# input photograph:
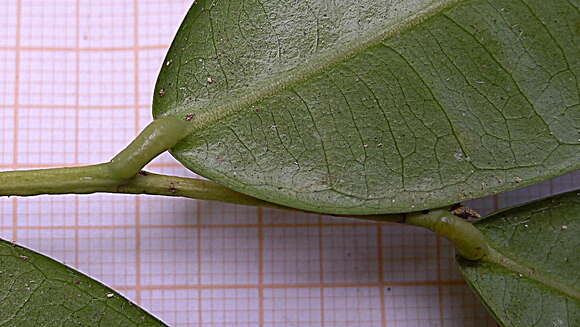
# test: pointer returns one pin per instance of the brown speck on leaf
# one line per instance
(162, 92)
(209, 80)
(143, 173)
(257, 110)
(77, 281)
(464, 212)
(189, 117)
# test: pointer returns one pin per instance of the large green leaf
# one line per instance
(533, 278)
(38, 291)
(361, 107)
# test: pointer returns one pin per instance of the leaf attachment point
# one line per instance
(467, 239)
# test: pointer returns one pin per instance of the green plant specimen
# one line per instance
(530, 275)
(379, 110)
(38, 291)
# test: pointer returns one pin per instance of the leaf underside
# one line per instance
(38, 291)
(365, 107)
(543, 236)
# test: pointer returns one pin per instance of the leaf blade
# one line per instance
(399, 114)
(38, 291)
(533, 279)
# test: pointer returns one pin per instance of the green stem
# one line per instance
(96, 179)
(467, 239)
(85, 179)
(156, 138)
(155, 184)
(123, 175)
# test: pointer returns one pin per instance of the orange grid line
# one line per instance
(53, 165)
(73, 107)
(77, 123)
(439, 278)
(137, 128)
(16, 106)
(199, 260)
(137, 250)
(261, 266)
(321, 266)
(84, 49)
(291, 286)
(203, 226)
(381, 274)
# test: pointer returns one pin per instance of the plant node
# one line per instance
(467, 239)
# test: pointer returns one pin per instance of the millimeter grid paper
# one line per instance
(76, 81)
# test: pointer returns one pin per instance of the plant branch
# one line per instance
(80, 180)
(123, 174)
(155, 184)
(156, 138)
(96, 179)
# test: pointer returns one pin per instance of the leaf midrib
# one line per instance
(226, 108)
(548, 280)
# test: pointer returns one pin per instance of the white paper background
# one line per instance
(76, 81)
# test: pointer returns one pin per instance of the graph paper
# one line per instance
(76, 81)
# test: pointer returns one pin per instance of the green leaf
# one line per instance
(38, 291)
(365, 107)
(532, 277)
